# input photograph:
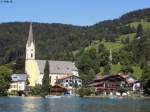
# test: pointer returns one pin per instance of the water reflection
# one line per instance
(18, 104)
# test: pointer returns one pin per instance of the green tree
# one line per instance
(36, 91)
(145, 79)
(27, 81)
(140, 49)
(106, 69)
(127, 69)
(5, 80)
(139, 31)
(115, 58)
(85, 91)
(87, 66)
(127, 40)
(46, 79)
(19, 65)
(125, 57)
(87, 78)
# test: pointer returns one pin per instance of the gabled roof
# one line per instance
(57, 67)
(110, 77)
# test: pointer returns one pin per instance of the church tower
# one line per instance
(31, 68)
(30, 47)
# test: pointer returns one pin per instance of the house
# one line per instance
(57, 89)
(18, 82)
(108, 84)
(34, 68)
(70, 82)
(132, 84)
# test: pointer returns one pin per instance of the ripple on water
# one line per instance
(74, 104)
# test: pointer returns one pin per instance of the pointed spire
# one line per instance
(110, 56)
(30, 36)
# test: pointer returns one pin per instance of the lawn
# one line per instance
(131, 36)
(146, 25)
(114, 46)
(117, 67)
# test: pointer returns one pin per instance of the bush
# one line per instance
(85, 91)
(36, 91)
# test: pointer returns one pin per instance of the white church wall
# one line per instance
(30, 51)
(53, 78)
(31, 70)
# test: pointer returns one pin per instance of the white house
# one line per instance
(70, 82)
(18, 82)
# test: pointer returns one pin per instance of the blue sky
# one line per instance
(76, 12)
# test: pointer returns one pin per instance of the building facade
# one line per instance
(108, 84)
(35, 68)
(112, 84)
(18, 82)
(71, 82)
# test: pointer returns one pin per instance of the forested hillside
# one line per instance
(66, 42)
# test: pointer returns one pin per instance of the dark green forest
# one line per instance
(62, 42)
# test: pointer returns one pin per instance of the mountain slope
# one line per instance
(58, 41)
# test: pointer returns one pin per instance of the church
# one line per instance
(35, 68)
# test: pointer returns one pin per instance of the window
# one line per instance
(15, 86)
(31, 55)
(66, 85)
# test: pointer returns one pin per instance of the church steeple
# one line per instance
(30, 47)
(30, 36)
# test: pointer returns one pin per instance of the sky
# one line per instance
(76, 12)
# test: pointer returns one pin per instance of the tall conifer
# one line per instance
(46, 79)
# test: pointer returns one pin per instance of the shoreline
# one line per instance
(119, 97)
(110, 97)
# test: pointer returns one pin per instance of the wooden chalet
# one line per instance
(57, 89)
(108, 84)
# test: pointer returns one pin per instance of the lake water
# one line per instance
(73, 104)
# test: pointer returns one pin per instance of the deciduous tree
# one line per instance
(5, 80)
